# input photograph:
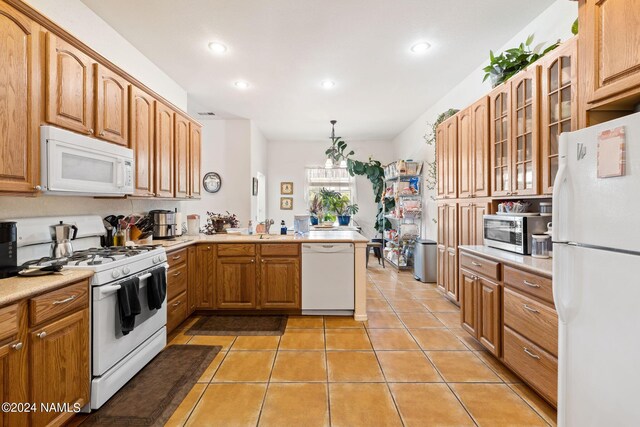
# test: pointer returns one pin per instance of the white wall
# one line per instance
(554, 23)
(287, 161)
(75, 17)
(259, 146)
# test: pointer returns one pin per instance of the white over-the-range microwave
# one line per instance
(74, 164)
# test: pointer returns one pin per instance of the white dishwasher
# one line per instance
(328, 282)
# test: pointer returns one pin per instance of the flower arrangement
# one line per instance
(218, 223)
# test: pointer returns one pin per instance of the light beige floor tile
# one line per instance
(407, 306)
(503, 372)
(235, 404)
(301, 366)
(375, 305)
(302, 339)
(299, 404)
(256, 343)
(461, 366)
(546, 411)
(392, 339)
(366, 405)
(305, 322)
(437, 339)
(353, 366)
(450, 320)
(420, 320)
(245, 366)
(223, 341)
(407, 366)
(429, 405)
(397, 293)
(440, 305)
(470, 341)
(181, 414)
(347, 339)
(207, 375)
(334, 322)
(496, 405)
(421, 294)
(383, 320)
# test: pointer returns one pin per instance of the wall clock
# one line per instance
(212, 182)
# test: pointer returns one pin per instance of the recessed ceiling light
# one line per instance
(241, 84)
(217, 47)
(327, 84)
(420, 47)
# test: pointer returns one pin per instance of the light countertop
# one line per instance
(541, 266)
(17, 288)
(311, 237)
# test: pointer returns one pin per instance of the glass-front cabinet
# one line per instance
(500, 134)
(559, 106)
(524, 141)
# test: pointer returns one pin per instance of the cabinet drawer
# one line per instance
(534, 320)
(59, 302)
(532, 284)
(236, 250)
(287, 249)
(176, 311)
(177, 257)
(9, 322)
(176, 280)
(536, 366)
(489, 269)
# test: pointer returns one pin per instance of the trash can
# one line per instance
(425, 265)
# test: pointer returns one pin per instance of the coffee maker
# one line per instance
(61, 237)
(8, 249)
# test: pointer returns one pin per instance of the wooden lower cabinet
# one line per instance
(481, 310)
(236, 283)
(14, 353)
(280, 283)
(60, 366)
(177, 311)
(451, 285)
(192, 262)
(205, 277)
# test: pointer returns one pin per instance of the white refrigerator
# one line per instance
(596, 274)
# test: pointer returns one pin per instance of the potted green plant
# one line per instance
(345, 210)
(504, 66)
(315, 209)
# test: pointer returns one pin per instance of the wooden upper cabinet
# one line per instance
(471, 226)
(112, 106)
(181, 135)
(195, 152)
(60, 366)
(164, 151)
(473, 150)
(610, 49)
(451, 154)
(236, 283)
(69, 86)
(559, 106)
(500, 131)
(465, 154)
(20, 102)
(525, 144)
(280, 283)
(142, 140)
(441, 157)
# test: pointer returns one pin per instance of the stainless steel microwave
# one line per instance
(512, 233)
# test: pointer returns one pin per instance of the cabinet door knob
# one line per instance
(17, 346)
(42, 334)
(37, 188)
(90, 131)
(102, 133)
(253, 260)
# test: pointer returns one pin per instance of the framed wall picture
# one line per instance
(286, 203)
(286, 188)
(254, 187)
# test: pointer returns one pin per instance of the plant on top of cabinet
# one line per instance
(504, 66)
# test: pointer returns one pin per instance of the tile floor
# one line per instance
(410, 364)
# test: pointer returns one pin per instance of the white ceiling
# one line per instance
(285, 48)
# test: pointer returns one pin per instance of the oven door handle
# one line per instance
(108, 289)
(144, 276)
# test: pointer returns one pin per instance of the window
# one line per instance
(337, 179)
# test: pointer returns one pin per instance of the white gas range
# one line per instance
(115, 357)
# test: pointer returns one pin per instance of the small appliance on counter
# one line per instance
(193, 224)
(541, 246)
(61, 237)
(301, 224)
(164, 224)
(8, 249)
(513, 232)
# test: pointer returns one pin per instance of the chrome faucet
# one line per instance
(267, 225)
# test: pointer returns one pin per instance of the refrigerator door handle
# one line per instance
(562, 270)
(561, 193)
